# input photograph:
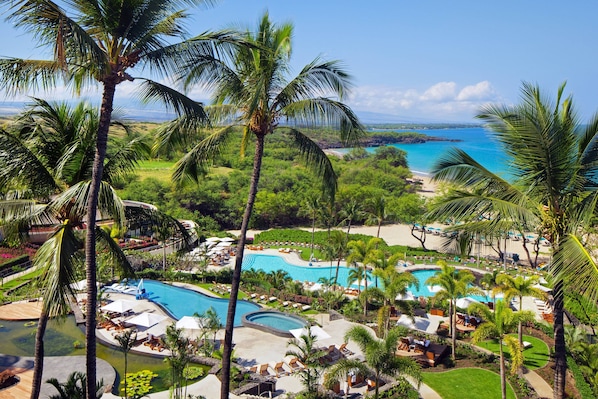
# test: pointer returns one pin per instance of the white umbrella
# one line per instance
(408, 296)
(156, 330)
(542, 288)
(213, 239)
(79, 285)
(418, 323)
(315, 330)
(188, 323)
(227, 239)
(464, 303)
(146, 319)
(119, 306)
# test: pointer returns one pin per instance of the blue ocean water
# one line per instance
(476, 141)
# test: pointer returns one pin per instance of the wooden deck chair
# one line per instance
(344, 350)
(264, 369)
(295, 364)
(279, 369)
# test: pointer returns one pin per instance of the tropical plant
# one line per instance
(336, 247)
(100, 42)
(497, 324)
(178, 359)
(380, 356)
(75, 387)
(126, 341)
(251, 90)
(308, 353)
(552, 160)
(519, 287)
(311, 206)
(361, 255)
(350, 211)
(454, 284)
(377, 213)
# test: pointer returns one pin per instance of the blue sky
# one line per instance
(419, 61)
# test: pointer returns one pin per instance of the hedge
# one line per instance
(582, 385)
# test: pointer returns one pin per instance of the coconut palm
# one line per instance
(377, 212)
(75, 387)
(380, 355)
(349, 212)
(126, 341)
(308, 353)
(489, 282)
(336, 247)
(497, 324)
(100, 42)
(454, 284)
(361, 255)
(552, 158)
(311, 206)
(252, 90)
(519, 287)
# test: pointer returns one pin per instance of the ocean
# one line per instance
(476, 141)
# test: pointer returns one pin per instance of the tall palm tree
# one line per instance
(126, 341)
(337, 248)
(490, 283)
(377, 212)
(519, 287)
(552, 188)
(380, 355)
(454, 284)
(497, 324)
(311, 206)
(349, 212)
(252, 90)
(100, 42)
(362, 255)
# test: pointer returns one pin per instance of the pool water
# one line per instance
(276, 320)
(270, 263)
(181, 302)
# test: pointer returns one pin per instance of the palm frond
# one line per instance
(193, 164)
(20, 75)
(326, 112)
(317, 159)
(574, 264)
(126, 159)
(115, 252)
(58, 258)
(151, 91)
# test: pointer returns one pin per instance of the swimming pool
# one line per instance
(269, 263)
(181, 302)
(274, 322)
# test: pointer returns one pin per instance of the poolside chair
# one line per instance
(264, 369)
(279, 369)
(295, 364)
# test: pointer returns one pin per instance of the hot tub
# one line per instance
(274, 322)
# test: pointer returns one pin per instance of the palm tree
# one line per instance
(519, 287)
(377, 212)
(337, 248)
(101, 42)
(350, 211)
(75, 387)
(178, 359)
(552, 189)
(380, 355)
(362, 254)
(251, 90)
(311, 206)
(57, 258)
(490, 283)
(308, 353)
(126, 341)
(497, 324)
(454, 284)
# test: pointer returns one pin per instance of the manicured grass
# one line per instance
(466, 383)
(534, 357)
(156, 169)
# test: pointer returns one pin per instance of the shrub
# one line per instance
(193, 373)
(582, 385)
(138, 384)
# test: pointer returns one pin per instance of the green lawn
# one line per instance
(534, 357)
(466, 383)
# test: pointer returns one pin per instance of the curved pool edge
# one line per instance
(280, 333)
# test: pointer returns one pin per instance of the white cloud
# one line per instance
(443, 101)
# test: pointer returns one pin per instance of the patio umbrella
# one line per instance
(408, 296)
(119, 306)
(146, 319)
(188, 323)
(315, 330)
(417, 323)
(79, 285)
(227, 239)
(156, 330)
(434, 288)
(212, 239)
(464, 303)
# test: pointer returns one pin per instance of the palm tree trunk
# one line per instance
(338, 265)
(503, 381)
(90, 238)
(520, 326)
(313, 233)
(377, 384)
(365, 289)
(560, 357)
(38, 366)
(236, 278)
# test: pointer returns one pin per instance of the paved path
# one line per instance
(542, 388)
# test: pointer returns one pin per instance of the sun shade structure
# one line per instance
(119, 306)
(188, 323)
(146, 319)
(465, 302)
(315, 330)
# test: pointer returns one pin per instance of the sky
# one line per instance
(414, 61)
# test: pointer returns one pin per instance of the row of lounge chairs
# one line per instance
(430, 354)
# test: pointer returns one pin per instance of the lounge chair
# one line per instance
(295, 364)
(279, 369)
(264, 369)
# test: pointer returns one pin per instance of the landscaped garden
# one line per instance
(466, 383)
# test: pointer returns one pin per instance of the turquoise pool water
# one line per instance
(279, 321)
(270, 263)
(181, 302)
